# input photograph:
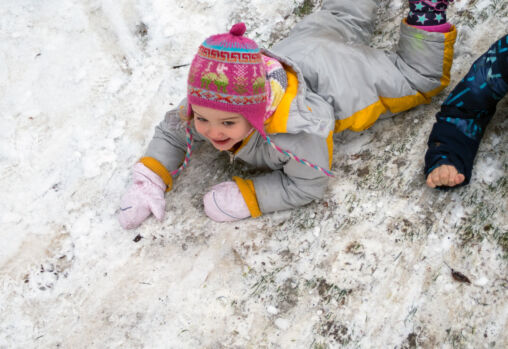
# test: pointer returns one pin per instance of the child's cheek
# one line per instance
(198, 127)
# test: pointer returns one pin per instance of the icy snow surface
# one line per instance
(82, 85)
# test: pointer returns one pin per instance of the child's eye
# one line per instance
(228, 123)
(200, 119)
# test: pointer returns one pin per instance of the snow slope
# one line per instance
(83, 83)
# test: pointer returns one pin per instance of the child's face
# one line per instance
(223, 129)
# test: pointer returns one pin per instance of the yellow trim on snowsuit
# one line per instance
(249, 195)
(329, 143)
(159, 169)
(364, 118)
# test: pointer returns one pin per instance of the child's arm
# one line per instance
(151, 176)
(291, 184)
(167, 149)
(460, 125)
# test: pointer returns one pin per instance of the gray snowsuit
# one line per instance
(336, 82)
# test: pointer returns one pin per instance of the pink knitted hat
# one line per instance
(228, 74)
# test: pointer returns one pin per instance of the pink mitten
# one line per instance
(225, 203)
(145, 196)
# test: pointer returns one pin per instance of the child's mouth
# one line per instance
(221, 142)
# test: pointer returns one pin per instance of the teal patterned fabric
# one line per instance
(467, 110)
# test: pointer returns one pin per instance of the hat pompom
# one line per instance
(238, 29)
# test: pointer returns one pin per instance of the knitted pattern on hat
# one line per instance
(427, 12)
(228, 74)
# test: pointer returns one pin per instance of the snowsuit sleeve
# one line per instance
(464, 115)
(295, 184)
(289, 183)
(167, 148)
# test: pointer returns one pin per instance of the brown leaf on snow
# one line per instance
(458, 276)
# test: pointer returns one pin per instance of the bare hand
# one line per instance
(445, 175)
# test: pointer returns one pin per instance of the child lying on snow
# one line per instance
(464, 115)
(278, 109)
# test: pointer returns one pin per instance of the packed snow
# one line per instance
(376, 264)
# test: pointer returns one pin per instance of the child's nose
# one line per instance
(214, 132)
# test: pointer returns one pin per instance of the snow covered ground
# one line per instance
(82, 85)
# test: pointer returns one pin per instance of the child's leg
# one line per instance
(347, 20)
(362, 83)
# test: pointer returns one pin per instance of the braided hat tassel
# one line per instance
(300, 160)
(189, 139)
(188, 153)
